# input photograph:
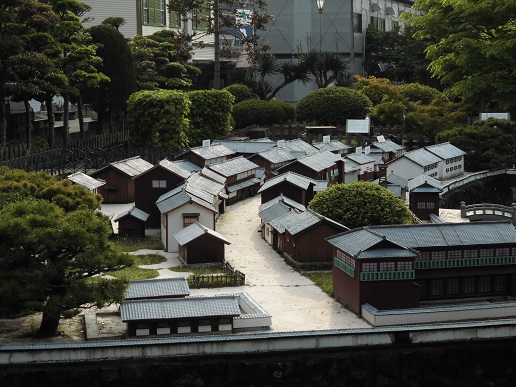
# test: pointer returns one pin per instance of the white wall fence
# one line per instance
(471, 178)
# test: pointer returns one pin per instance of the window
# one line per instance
(162, 9)
(387, 266)
(346, 258)
(420, 205)
(470, 253)
(378, 23)
(502, 252)
(423, 256)
(189, 219)
(454, 254)
(438, 254)
(357, 22)
(485, 253)
(485, 284)
(429, 205)
(469, 285)
(369, 267)
(145, 13)
(500, 283)
(437, 287)
(159, 184)
(404, 266)
(453, 286)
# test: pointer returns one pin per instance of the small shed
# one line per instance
(424, 196)
(157, 288)
(90, 183)
(199, 244)
(131, 222)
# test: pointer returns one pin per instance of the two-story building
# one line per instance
(323, 165)
(364, 163)
(207, 154)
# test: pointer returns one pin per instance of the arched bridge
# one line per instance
(488, 211)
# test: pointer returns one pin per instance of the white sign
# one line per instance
(205, 143)
(367, 150)
(358, 150)
(500, 116)
(380, 138)
(358, 126)
(243, 17)
(326, 139)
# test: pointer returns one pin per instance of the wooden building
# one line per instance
(199, 244)
(364, 163)
(156, 181)
(424, 196)
(119, 177)
(272, 210)
(90, 183)
(157, 289)
(247, 148)
(207, 154)
(387, 150)
(323, 165)
(272, 159)
(334, 146)
(400, 266)
(301, 237)
(293, 186)
(176, 316)
(131, 222)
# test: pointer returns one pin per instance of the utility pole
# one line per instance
(216, 70)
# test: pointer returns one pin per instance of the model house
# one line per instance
(272, 159)
(300, 237)
(293, 186)
(272, 210)
(207, 154)
(452, 163)
(198, 183)
(387, 150)
(156, 181)
(240, 175)
(364, 163)
(297, 146)
(90, 183)
(324, 165)
(157, 288)
(199, 244)
(247, 148)
(180, 209)
(400, 266)
(333, 146)
(119, 177)
(351, 172)
(424, 196)
(131, 222)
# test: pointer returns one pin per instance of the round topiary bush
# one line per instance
(240, 92)
(332, 106)
(257, 112)
(288, 108)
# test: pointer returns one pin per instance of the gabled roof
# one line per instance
(194, 231)
(154, 288)
(422, 157)
(398, 180)
(131, 167)
(359, 158)
(289, 202)
(133, 212)
(293, 178)
(86, 181)
(387, 146)
(417, 236)
(243, 184)
(445, 150)
(424, 183)
(233, 166)
(297, 222)
(208, 173)
(318, 161)
(273, 212)
(248, 147)
(348, 167)
(197, 181)
(333, 145)
(179, 308)
(181, 168)
(298, 145)
(276, 155)
(211, 152)
(177, 197)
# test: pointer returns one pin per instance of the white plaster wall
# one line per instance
(405, 168)
(175, 223)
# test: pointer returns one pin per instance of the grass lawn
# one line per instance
(323, 279)
(148, 259)
(128, 244)
(134, 273)
(199, 270)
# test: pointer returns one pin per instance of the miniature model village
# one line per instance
(376, 269)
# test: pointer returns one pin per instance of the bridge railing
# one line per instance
(488, 209)
(471, 178)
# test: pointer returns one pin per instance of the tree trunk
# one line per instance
(81, 117)
(3, 121)
(28, 124)
(50, 120)
(66, 122)
(49, 324)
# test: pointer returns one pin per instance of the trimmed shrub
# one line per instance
(332, 106)
(288, 108)
(240, 92)
(257, 112)
(416, 92)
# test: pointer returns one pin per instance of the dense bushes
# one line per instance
(415, 92)
(331, 106)
(257, 112)
(240, 92)
(288, 108)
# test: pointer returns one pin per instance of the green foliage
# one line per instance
(331, 106)
(159, 117)
(210, 114)
(323, 279)
(133, 274)
(49, 255)
(388, 112)
(148, 259)
(360, 204)
(114, 21)
(287, 108)
(40, 185)
(488, 144)
(416, 92)
(378, 89)
(240, 92)
(257, 112)
(128, 244)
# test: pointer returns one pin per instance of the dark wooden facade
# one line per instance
(131, 226)
(422, 204)
(119, 187)
(146, 194)
(204, 249)
(332, 175)
(290, 191)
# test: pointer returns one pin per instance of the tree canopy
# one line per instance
(360, 204)
(471, 48)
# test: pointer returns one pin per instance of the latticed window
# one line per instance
(404, 266)
(370, 266)
(453, 286)
(423, 256)
(437, 287)
(470, 253)
(485, 252)
(485, 284)
(438, 254)
(469, 285)
(387, 266)
(500, 283)
(346, 258)
(189, 219)
(455, 254)
(503, 252)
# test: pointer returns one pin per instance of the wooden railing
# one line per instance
(488, 210)
(229, 277)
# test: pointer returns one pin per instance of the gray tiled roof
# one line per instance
(396, 179)
(194, 231)
(386, 146)
(248, 147)
(182, 168)
(289, 202)
(424, 180)
(348, 167)
(334, 145)
(178, 197)
(319, 161)
(427, 235)
(277, 155)
(179, 308)
(200, 182)
(212, 151)
(206, 172)
(153, 288)
(445, 150)
(86, 181)
(134, 212)
(278, 223)
(131, 167)
(299, 145)
(422, 157)
(359, 158)
(296, 222)
(243, 184)
(293, 178)
(233, 166)
(273, 212)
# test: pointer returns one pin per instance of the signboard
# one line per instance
(358, 150)
(205, 143)
(367, 150)
(500, 116)
(358, 126)
(380, 138)
(243, 17)
(326, 139)
(243, 32)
